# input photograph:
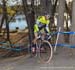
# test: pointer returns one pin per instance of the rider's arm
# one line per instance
(35, 33)
(36, 26)
(36, 30)
(47, 30)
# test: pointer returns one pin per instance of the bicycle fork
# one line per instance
(38, 49)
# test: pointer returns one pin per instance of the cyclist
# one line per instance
(42, 25)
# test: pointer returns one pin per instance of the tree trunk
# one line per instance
(30, 20)
(6, 19)
(48, 6)
(72, 37)
(61, 19)
(43, 6)
(2, 21)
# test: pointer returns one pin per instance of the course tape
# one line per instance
(62, 33)
(18, 47)
(64, 45)
(2, 42)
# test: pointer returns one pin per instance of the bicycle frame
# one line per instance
(42, 40)
(38, 47)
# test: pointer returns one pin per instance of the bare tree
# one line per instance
(60, 21)
(72, 37)
(5, 17)
(30, 17)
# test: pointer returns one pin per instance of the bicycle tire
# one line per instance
(46, 53)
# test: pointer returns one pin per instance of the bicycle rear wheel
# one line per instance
(46, 52)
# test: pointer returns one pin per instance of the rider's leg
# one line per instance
(34, 42)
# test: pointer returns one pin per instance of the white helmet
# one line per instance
(47, 16)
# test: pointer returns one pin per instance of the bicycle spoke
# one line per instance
(45, 52)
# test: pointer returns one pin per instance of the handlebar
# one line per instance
(47, 37)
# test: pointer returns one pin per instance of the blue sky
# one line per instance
(12, 2)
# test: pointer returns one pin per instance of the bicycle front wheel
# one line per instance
(46, 52)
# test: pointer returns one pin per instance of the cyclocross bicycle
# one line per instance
(43, 49)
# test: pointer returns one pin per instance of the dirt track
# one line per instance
(20, 38)
(62, 60)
